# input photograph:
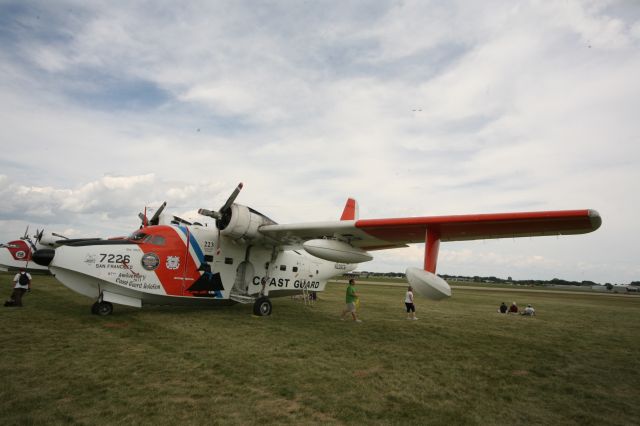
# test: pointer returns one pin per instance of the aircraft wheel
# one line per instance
(104, 308)
(94, 308)
(262, 307)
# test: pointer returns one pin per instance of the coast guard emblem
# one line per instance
(173, 262)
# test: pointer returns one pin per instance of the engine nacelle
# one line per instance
(427, 284)
(49, 240)
(242, 222)
(336, 251)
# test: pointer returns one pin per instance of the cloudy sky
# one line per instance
(414, 108)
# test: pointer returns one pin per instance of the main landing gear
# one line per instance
(262, 307)
(102, 308)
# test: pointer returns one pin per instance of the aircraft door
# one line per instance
(307, 270)
(244, 275)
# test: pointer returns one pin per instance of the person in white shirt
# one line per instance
(408, 302)
(529, 311)
(21, 284)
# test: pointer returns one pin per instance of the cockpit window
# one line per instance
(141, 237)
(138, 237)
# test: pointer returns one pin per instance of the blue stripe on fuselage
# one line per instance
(193, 243)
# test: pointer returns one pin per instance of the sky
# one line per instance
(414, 108)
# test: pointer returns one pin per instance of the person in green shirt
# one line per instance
(351, 299)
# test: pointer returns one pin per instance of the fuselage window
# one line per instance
(228, 261)
(283, 267)
(295, 269)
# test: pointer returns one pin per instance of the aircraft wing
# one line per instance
(378, 234)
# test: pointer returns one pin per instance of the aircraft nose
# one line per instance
(43, 256)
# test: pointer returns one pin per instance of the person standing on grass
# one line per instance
(21, 284)
(351, 299)
(408, 302)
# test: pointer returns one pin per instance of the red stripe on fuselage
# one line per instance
(175, 278)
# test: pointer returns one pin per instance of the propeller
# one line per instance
(39, 234)
(155, 219)
(26, 234)
(223, 215)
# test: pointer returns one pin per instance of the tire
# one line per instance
(262, 307)
(94, 308)
(104, 309)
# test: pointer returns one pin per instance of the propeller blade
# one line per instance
(26, 233)
(211, 213)
(217, 215)
(39, 235)
(155, 219)
(232, 198)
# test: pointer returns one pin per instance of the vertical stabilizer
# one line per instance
(350, 211)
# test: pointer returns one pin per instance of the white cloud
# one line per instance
(412, 107)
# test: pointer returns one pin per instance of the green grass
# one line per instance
(461, 363)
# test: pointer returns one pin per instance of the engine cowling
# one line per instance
(242, 222)
(49, 240)
(336, 251)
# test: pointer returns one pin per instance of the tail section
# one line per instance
(350, 211)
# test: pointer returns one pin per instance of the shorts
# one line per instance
(410, 307)
(351, 307)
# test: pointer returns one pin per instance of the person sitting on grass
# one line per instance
(503, 308)
(529, 311)
(513, 309)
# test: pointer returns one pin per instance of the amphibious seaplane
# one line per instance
(249, 258)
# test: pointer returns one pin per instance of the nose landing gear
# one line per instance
(102, 308)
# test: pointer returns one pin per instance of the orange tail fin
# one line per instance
(350, 211)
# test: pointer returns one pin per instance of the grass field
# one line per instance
(461, 363)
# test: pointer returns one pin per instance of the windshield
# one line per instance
(138, 236)
(141, 237)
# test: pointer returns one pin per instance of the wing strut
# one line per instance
(425, 281)
(431, 248)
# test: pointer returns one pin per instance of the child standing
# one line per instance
(408, 302)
